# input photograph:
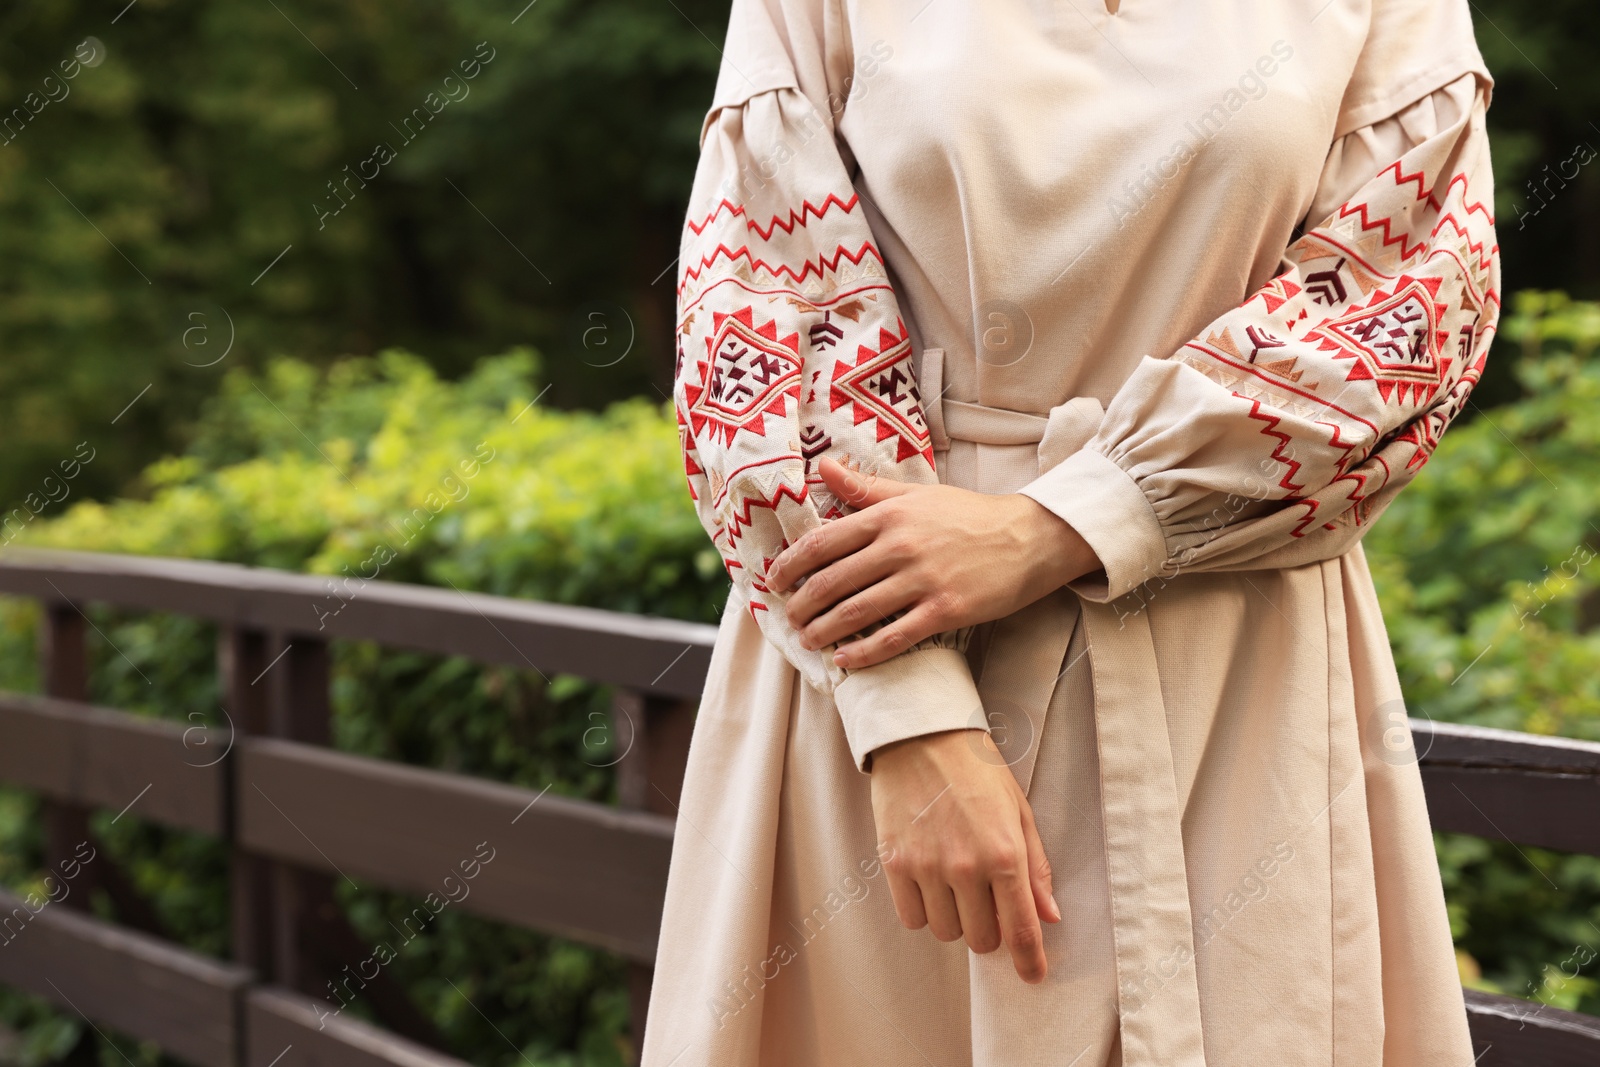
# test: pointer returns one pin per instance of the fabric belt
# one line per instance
(1158, 998)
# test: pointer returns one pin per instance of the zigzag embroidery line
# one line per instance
(1352, 499)
(820, 266)
(819, 303)
(1354, 207)
(739, 519)
(1459, 177)
(1287, 482)
(1249, 369)
(1465, 274)
(1401, 178)
(728, 482)
(777, 222)
(1360, 207)
(1336, 440)
(1484, 259)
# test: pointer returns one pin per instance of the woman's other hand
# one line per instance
(963, 855)
(946, 557)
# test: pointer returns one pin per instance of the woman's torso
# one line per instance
(1059, 191)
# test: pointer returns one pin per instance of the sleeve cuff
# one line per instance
(1105, 505)
(923, 691)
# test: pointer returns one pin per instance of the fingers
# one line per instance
(907, 898)
(922, 621)
(852, 614)
(832, 585)
(939, 903)
(1040, 880)
(819, 547)
(1019, 923)
(975, 904)
(836, 539)
(857, 490)
(988, 905)
(917, 907)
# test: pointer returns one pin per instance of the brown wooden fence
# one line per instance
(297, 814)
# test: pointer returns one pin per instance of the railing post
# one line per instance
(287, 916)
(241, 660)
(653, 732)
(301, 710)
(64, 673)
(275, 687)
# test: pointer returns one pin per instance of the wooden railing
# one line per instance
(296, 814)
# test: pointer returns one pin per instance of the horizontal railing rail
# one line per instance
(199, 1010)
(184, 1002)
(1542, 791)
(664, 656)
(99, 757)
(1508, 1032)
(582, 870)
(299, 815)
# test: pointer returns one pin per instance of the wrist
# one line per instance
(928, 751)
(1059, 553)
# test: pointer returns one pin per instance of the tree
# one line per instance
(216, 184)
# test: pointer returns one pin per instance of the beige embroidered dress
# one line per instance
(1208, 279)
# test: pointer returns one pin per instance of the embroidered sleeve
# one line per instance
(791, 346)
(1276, 436)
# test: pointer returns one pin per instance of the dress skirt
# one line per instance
(1320, 933)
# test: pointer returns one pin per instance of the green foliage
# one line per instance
(1526, 921)
(377, 466)
(143, 198)
(472, 484)
(1485, 565)
(1486, 569)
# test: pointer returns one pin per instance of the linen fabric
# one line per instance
(1206, 279)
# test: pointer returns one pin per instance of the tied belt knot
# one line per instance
(1023, 656)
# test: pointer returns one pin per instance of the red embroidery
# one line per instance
(881, 384)
(750, 373)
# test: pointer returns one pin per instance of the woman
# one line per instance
(1040, 368)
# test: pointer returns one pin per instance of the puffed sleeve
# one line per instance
(791, 347)
(1276, 436)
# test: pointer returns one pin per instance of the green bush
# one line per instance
(377, 462)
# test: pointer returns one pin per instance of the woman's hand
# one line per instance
(947, 557)
(964, 856)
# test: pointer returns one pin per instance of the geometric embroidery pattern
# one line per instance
(1394, 341)
(750, 373)
(791, 347)
(881, 385)
(1346, 367)
(1395, 294)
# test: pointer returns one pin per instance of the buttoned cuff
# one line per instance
(923, 691)
(1105, 505)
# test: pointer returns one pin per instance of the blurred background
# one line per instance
(251, 334)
